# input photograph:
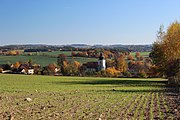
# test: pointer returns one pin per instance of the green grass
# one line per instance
(56, 53)
(42, 60)
(67, 53)
(57, 97)
(144, 54)
(58, 83)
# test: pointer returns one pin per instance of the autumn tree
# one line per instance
(112, 72)
(172, 42)
(166, 50)
(130, 57)
(110, 63)
(138, 55)
(148, 62)
(73, 54)
(30, 62)
(16, 65)
(121, 64)
(1, 70)
(71, 69)
(107, 54)
(82, 70)
(51, 67)
(157, 55)
(77, 64)
(12, 52)
(61, 60)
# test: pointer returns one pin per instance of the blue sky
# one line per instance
(105, 22)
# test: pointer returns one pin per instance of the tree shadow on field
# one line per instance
(132, 91)
(122, 82)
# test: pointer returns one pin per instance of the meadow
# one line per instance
(60, 97)
(144, 54)
(44, 58)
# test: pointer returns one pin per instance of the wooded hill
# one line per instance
(119, 47)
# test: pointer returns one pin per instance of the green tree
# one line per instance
(60, 62)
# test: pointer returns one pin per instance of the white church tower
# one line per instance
(101, 63)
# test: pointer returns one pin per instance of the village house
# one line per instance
(57, 70)
(5, 68)
(91, 66)
(28, 68)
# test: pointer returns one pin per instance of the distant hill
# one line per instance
(80, 45)
(132, 48)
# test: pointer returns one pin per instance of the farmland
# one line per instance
(85, 98)
(42, 58)
(45, 58)
(144, 54)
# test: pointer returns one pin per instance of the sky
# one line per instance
(107, 22)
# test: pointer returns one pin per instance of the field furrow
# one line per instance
(85, 98)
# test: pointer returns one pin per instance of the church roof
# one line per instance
(91, 65)
(101, 57)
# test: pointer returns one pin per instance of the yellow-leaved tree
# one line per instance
(172, 42)
(166, 50)
(121, 64)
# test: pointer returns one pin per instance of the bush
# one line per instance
(112, 72)
(142, 74)
(127, 74)
(1, 70)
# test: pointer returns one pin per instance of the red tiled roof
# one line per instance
(91, 65)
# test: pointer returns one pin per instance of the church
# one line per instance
(101, 63)
(96, 66)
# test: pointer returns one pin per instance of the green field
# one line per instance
(57, 97)
(144, 54)
(42, 60)
(56, 53)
